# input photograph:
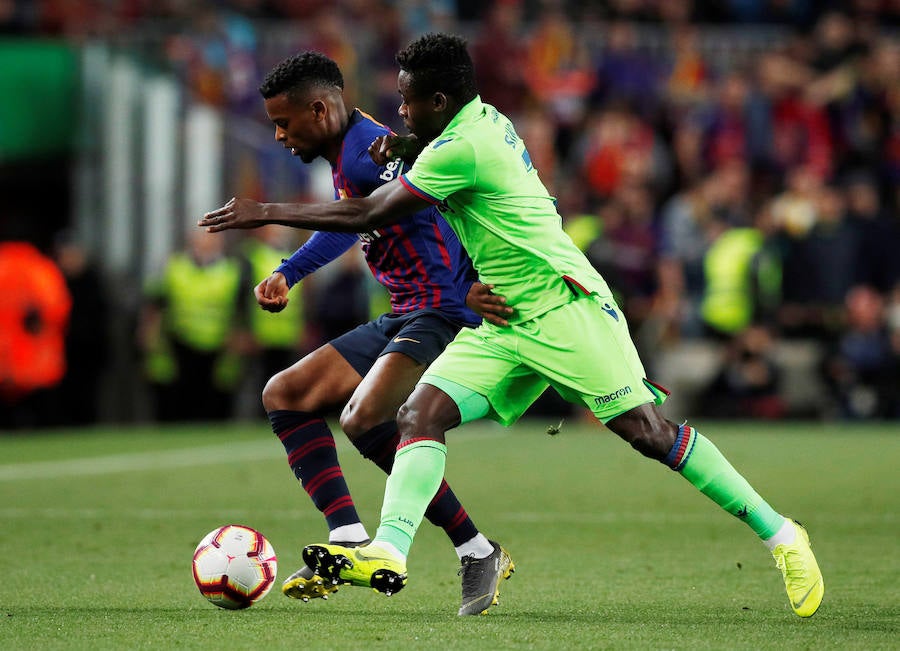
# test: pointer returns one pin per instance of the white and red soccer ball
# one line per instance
(234, 566)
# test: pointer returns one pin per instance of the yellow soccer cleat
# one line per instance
(802, 577)
(369, 566)
(304, 584)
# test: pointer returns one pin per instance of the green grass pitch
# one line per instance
(612, 550)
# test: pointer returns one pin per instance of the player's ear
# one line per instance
(439, 101)
(319, 109)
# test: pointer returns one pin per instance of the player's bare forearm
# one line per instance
(386, 205)
(342, 216)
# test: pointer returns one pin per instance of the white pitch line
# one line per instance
(302, 514)
(167, 459)
(202, 456)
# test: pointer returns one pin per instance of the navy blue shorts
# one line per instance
(421, 335)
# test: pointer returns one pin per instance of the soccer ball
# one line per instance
(234, 566)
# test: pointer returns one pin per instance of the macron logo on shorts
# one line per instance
(615, 395)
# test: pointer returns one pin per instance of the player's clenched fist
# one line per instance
(272, 293)
(384, 149)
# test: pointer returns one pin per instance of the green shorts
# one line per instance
(582, 349)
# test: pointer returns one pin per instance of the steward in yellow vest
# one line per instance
(277, 336)
(282, 329)
(742, 280)
(187, 330)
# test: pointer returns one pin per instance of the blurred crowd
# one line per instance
(732, 167)
(197, 342)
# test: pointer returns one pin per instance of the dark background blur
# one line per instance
(731, 167)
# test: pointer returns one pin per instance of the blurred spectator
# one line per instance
(835, 42)
(76, 400)
(800, 133)
(34, 314)
(689, 164)
(819, 267)
(893, 321)
(878, 264)
(689, 73)
(689, 224)
(625, 73)
(794, 209)
(188, 332)
(747, 385)
(736, 124)
(497, 52)
(847, 90)
(215, 53)
(617, 148)
(742, 276)
(890, 153)
(330, 36)
(276, 339)
(536, 127)
(558, 70)
(388, 38)
(625, 252)
(864, 367)
(730, 193)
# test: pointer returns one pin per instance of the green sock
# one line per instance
(701, 463)
(415, 478)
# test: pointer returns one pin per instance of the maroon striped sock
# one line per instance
(313, 457)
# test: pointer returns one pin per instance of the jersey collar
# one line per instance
(470, 111)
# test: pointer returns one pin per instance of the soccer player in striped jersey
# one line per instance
(370, 370)
(566, 330)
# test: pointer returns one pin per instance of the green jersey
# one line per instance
(479, 174)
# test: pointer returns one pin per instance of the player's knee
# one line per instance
(407, 419)
(644, 442)
(273, 393)
(356, 421)
(414, 423)
(646, 431)
(281, 393)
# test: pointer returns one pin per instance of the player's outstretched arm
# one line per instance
(386, 205)
(272, 293)
(386, 148)
(492, 307)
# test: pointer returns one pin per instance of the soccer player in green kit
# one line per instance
(566, 331)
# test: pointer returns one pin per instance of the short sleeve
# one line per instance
(444, 167)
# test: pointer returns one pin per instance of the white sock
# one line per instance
(348, 533)
(785, 536)
(479, 547)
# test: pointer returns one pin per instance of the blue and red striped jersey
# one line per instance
(419, 259)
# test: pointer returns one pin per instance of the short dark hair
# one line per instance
(299, 72)
(439, 63)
